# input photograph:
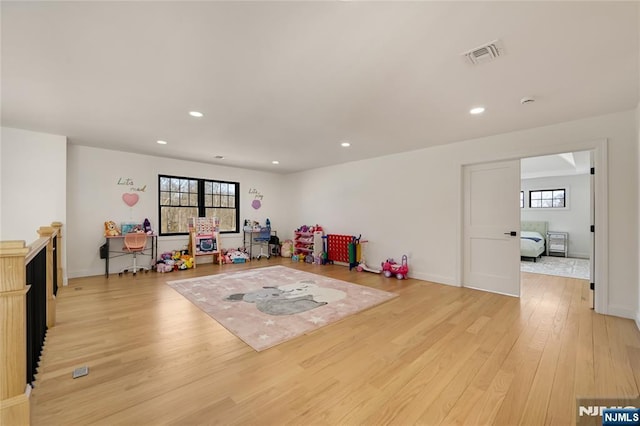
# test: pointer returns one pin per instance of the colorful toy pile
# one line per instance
(239, 255)
(174, 261)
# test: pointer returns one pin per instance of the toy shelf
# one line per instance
(307, 242)
(204, 238)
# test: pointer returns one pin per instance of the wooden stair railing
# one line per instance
(14, 257)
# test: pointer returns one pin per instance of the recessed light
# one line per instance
(275, 162)
(476, 110)
(196, 114)
(162, 142)
(345, 144)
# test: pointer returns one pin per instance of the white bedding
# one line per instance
(528, 246)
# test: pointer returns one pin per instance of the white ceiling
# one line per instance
(289, 81)
(567, 164)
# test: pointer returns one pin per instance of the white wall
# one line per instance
(574, 219)
(412, 203)
(406, 203)
(33, 184)
(95, 196)
(638, 180)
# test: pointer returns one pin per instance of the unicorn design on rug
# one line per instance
(289, 299)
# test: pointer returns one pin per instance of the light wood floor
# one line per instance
(434, 355)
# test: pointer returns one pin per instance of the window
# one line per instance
(547, 198)
(180, 198)
(522, 199)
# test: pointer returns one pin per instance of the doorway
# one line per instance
(599, 260)
(557, 190)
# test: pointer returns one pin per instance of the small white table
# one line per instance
(557, 243)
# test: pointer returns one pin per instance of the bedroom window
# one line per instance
(522, 199)
(180, 198)
(548, 199)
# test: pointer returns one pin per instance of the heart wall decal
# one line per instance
(130, 199)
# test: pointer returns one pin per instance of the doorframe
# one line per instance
(599, 148)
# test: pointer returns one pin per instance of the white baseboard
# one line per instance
(579, 255)
(438, 279)
(80, 273)
(621, 311)
(494, 292)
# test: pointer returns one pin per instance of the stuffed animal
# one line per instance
(187, 261)
(287, 248)
(146, 225)
(111, 229)
(163, 267)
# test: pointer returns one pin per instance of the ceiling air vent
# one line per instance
(485, 53)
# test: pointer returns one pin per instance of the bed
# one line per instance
(532, 239)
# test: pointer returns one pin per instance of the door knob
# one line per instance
(512, 233)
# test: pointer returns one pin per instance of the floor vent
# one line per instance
(485, 53)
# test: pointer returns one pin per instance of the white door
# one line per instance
(492, 227)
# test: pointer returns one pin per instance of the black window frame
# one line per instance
(201, 205)
(541, 191)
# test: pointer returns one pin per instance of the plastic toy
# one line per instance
(362, 266)
(237, 256)
(390, 267)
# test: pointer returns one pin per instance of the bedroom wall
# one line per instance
(573, 219)
(33, 184)
(95, 196)
(411, 203)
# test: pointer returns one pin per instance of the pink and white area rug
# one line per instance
(270, 305)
